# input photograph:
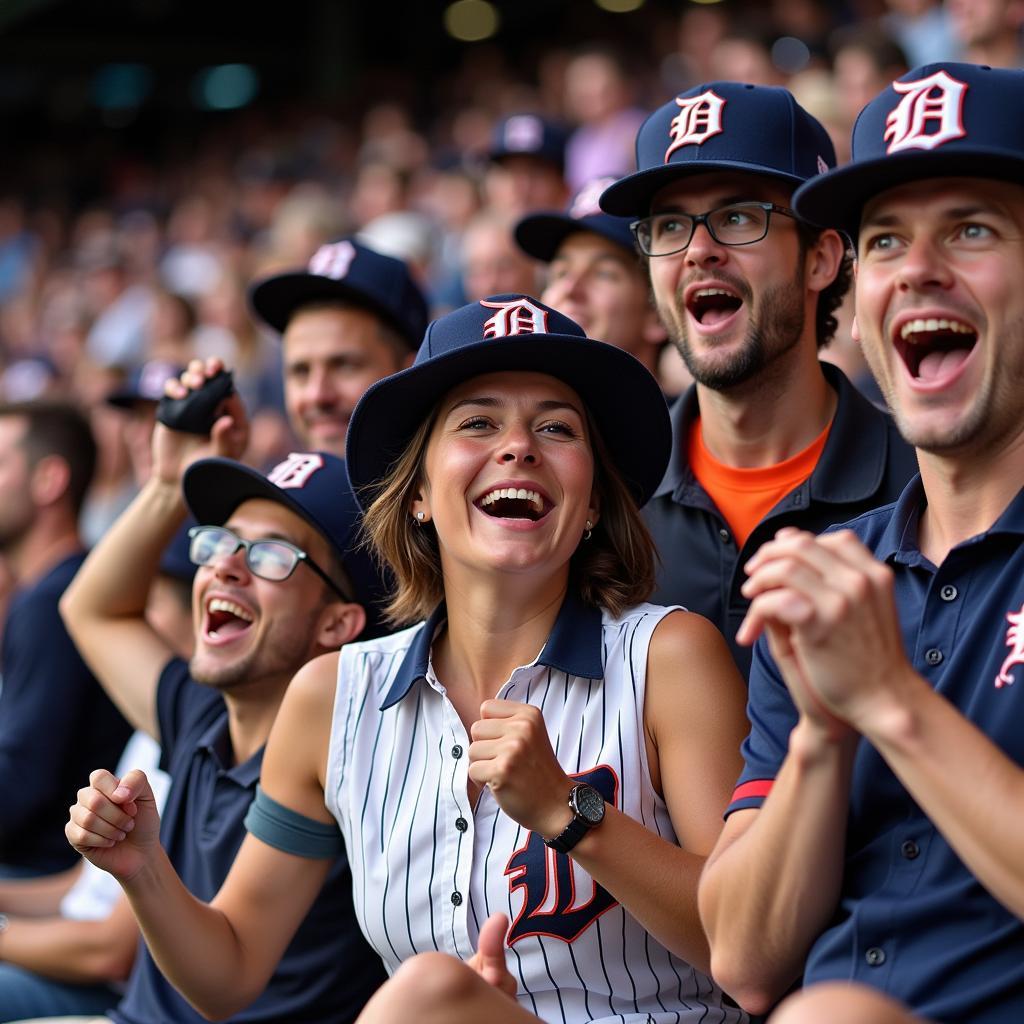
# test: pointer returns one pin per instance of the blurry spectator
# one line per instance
(379, 188)
(599, 98)
(352, 317)
(865, 61)
(191, 263)
(171, 326)
(305, 219)
(404, 234)
(701, 29)
(595, 276)
(56, 724)
(527, 165)
(922, 29)
(988, 31)
(745, 56)
(492, 263)
(19, 249)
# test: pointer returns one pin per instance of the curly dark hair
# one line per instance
(830, 298)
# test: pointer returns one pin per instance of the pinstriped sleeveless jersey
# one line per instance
(428, 869)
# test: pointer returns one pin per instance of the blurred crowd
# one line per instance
(157, 266)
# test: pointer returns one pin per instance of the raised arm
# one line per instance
(104, 607)
(220, 955)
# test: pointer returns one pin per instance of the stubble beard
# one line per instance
(282, 653)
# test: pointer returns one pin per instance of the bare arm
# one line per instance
(37, 897)
(81, 952)
(220, 956)
(104, 607)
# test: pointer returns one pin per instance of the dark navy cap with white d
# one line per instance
(346, 271)
(540, 234)
(722, 126)
(312, 485)
(515, 332)
(529, 135)
(939, 120)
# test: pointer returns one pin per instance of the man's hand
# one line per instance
(489, 959)
(511, 753)
(115, 823)
(174, 451)
(828, 607)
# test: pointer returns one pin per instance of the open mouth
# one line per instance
(514, 503)
(712, 306)
(225, 619)
(934, 348)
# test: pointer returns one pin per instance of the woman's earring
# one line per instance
(588, 531)
(419, 517)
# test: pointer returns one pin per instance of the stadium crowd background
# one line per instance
(132, 222)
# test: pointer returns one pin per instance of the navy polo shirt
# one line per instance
(56, 726)
(865, 463)
(327, 972)
(911, 919)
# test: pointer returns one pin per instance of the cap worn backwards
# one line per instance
(540, 234)
(939, 120)
(515, 332)
(719, 126)
(346, 271)
(312, 485)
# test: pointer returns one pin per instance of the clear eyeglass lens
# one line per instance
(266, 558)
(271, 561)
(739, 224)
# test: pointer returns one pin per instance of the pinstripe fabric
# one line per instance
(428, 869)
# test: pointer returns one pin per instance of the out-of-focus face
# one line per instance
(331, 356)
(604, 289)
(492, 263)
(17, 510)
(976, 22)
(940, 310)
(509, 477)
(521, 184)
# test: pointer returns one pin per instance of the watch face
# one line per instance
(589, 803)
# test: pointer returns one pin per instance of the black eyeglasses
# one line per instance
(269, 559)
(664, 234)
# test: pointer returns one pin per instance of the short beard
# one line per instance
(777, 330)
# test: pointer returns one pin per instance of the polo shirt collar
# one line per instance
(574, 647)
(217, 742)
(852, 464)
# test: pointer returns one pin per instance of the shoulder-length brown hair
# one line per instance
(613, 570)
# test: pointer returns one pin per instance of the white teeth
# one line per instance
(218, 604)
(932, 324)
(702, 292)
(519, 493)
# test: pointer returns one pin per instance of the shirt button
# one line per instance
(456, 751)
(875, 956)
(457, 900)
(948, 592)
(910, 849)
(933, 656)
(724, 534)
(461, 824)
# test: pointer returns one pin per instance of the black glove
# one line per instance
(196, 413)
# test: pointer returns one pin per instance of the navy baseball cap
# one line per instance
(347, 271)
(540, 234)
(175, 561)
(939, 120)
(529, 135)
(515, 332)
(313, 485)
(144, 384)
(722, 126)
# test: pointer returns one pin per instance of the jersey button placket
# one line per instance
(456, 838)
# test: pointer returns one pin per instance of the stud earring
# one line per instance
(420, 516)
(588, 531)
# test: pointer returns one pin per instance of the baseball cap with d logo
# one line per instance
(937, 121)
(722, 126)
(515, 332)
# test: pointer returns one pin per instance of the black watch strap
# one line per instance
(587, 806)
(569, 836)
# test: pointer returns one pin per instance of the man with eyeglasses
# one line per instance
(768, 436)
(280, 579)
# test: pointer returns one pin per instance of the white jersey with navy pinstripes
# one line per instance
(428, 868)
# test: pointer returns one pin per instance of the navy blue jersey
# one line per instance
(56, 726)
(912, 920)
(327, 972)
(865, 464)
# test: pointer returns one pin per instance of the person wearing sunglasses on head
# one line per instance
(280, 580)
(768, 435)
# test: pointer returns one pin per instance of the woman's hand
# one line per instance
(511, 753)
(115, 823)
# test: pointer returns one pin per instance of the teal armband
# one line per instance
(287, 830)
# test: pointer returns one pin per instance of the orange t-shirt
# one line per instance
(746, 496)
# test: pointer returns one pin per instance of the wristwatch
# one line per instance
(587, 806)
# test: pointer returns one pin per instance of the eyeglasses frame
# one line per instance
(702, 218)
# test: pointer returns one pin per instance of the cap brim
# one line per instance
(837, 199)
(215, 487)
(540, 235)
(631, 196)
(127, 399)
(618, 391)
(275, 300)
